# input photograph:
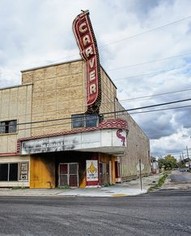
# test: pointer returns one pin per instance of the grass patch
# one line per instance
(160, 182)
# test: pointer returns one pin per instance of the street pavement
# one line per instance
(178, 180)
(130, 188)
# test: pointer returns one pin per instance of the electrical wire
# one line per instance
(148, 31)
(149, 62)
(109, 113)
(154, 95)
(163, 109)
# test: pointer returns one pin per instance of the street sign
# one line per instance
(140, 166)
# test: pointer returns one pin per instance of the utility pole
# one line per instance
(140, 174)
(187, 152)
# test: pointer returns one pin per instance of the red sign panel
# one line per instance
(88, 49)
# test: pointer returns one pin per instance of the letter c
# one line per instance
(83, 28)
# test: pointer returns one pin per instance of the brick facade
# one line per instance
(43, 106)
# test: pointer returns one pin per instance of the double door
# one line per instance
(104, 173)
(68, 174)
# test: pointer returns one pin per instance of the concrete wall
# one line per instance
(109, 93)
(48, 97)
(15, 104)
(58, 92)
(138, 148)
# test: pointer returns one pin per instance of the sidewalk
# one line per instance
(130, 188)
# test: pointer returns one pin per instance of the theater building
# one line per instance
(63, 126)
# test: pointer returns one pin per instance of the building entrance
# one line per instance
(104, 173)
(68, 174)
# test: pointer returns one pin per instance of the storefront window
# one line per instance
(3, 172)
(14, 171)
(9, 172)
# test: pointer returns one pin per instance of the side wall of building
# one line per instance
(138, 148)
(109, 93)
(15, 104)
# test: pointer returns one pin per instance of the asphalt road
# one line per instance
(180, 177)
(165, 212)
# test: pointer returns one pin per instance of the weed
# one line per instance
(160, 182)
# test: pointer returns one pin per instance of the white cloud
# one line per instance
(169, 145)
(128, 35)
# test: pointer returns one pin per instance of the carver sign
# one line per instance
(88, 50)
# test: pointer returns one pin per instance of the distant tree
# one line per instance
(161, 162)
(169, 162)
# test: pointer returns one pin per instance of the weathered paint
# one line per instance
(109, 160)
(87, 44)
(42, 172)
(98, 139)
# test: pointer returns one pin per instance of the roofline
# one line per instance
(49, 65)
(108, 76)
(16, 86)
(61, 63)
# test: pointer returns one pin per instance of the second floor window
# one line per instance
(9, 126)
(84, 120)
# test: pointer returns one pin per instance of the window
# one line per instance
(77, 121)
(84, 120)
(8, 126)
(91, 120)
(3, 172)
(9, 172)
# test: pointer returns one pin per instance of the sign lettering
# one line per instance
(88, 49)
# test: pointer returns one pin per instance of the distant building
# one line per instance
(154, 166)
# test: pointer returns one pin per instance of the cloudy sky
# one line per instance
(144, 45)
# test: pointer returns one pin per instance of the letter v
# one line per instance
(91, 62)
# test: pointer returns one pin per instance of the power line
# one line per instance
(130, 37)
(148, 31)
(163, 109)
(150, 74)
(154, 95)
(149, 62)
(109, 113)
(120, 100)
(149, 106)
(69, 122)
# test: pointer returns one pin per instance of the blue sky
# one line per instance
(144, 46)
